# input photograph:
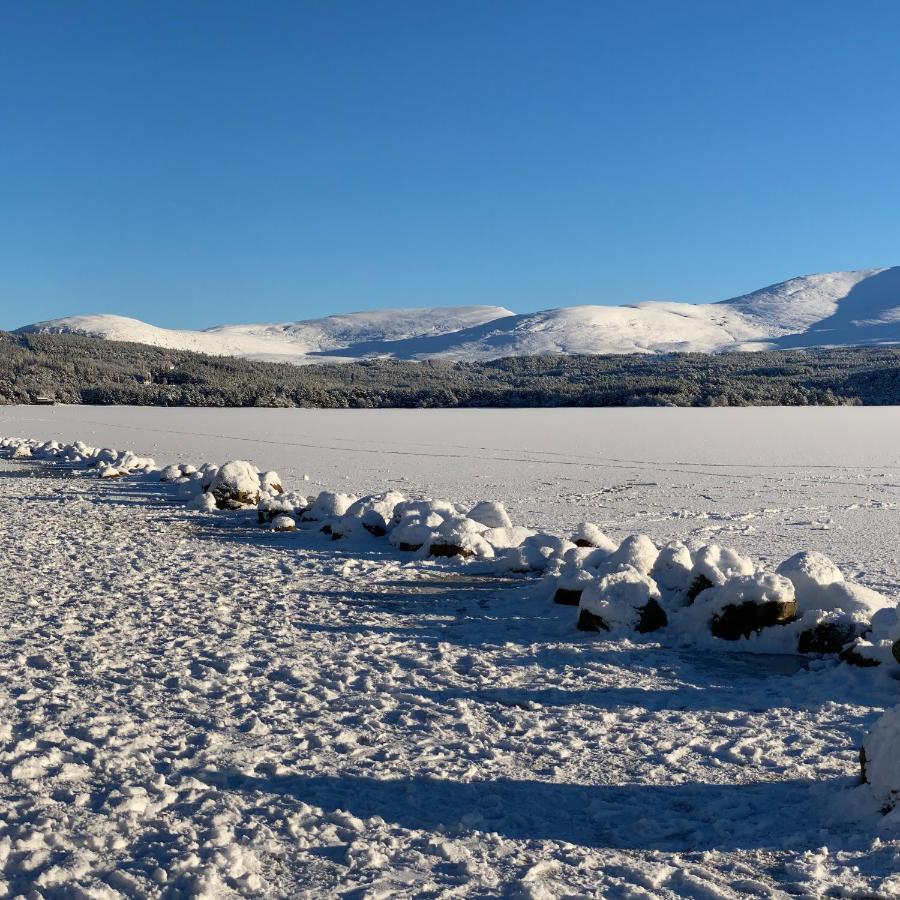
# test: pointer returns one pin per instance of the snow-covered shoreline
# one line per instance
(692, 593)
(300, 713)
(762, 480)
(178, 721)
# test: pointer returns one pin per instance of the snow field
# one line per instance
(195, 704)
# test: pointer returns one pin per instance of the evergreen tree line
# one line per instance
(76, 369)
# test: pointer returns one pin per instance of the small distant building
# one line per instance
(44, 401)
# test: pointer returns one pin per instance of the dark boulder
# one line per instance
(567, 597)
(653, 617)
(698, 585)
(588, 621)
(853, 657)
(450, 550)
(828, 637)
(743, 619)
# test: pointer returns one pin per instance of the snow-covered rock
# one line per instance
(204, 502)
(587, 534)
(236, 485)
(505, 537)
(374, 513)
(625, 600)
(714, 565)
(491, 514)
(208, 471)
(462, 537)
(289, 504)
(536, 553)
(637, 551)
(423, 509)
(880, 759)
(328, 505)
(131, 462)
(283, 523)
(809, 571)
(413, 532)
(835, 613)
(743, 605)
(270, 483)
(673, 569)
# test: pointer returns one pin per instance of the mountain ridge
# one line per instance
(832, 309)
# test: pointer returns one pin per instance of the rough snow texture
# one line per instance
(193, 706)
(838, 308)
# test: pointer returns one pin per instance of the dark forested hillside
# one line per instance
(75, 369)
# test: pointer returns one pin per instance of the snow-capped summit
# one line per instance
(834, 309)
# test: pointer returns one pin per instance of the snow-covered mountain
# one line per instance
(835, 309)
(298, 342)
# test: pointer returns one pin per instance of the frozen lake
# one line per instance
(770, 481)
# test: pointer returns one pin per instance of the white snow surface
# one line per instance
(192, 705)
(832, 309)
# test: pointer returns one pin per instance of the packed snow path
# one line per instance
(191, 706)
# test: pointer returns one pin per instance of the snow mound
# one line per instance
(637, 551)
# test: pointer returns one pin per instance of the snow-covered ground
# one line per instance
(191, 704)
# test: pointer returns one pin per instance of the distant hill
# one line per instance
(838, 309)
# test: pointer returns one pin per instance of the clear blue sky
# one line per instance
(197, 162)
